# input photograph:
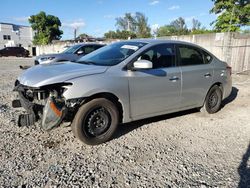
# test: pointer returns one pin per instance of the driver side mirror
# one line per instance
(80, 52)
(142, 64)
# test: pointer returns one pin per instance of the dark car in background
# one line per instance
(72, 53)
(14, 51)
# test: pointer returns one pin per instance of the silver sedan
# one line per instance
(72, 53)
(122, 82)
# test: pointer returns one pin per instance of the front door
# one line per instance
(156, 90)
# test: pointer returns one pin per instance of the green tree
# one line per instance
(119, 34)
(176, 27)
(110, 35)
(125, 34)
(142, 27)
(179, 23)
(126, 22)
(202, 31)
(232, 14)
(196, 24)
(180, 26)
(137, 24)
(197, 29)
(246, 31)
(46, 28)
(166, 30)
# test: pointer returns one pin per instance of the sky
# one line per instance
(95, 17)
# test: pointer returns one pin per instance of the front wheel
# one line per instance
(213, 100)
(96, 121)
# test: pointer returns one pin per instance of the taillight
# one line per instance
(229, 69)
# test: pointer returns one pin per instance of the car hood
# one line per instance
(45, 74)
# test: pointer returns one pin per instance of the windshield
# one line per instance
(112, 54)
(71, 50)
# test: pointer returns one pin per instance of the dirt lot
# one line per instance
(185, 149)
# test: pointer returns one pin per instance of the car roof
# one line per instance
(160, 41)
(84, 44)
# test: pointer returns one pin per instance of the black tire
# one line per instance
(96, 121)
(213, 100)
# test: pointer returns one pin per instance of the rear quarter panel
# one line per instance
(222, 75)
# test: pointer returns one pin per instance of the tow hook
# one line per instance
(53, 113)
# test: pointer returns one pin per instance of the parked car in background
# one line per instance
(72, 53)
(14, 51)
(120, 83)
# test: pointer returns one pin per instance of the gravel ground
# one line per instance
(185, 149)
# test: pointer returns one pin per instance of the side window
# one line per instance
(88, 49)
(97, 47)
(190, 56)
(207, 58)
(162, 55)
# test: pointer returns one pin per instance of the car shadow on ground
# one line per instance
(244, 170)
(231, 97)
(128, 127)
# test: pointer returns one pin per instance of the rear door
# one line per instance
(197, 75)
(15, 51)
(157, 90)
(19, 51)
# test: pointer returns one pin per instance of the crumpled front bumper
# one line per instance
(51, 112)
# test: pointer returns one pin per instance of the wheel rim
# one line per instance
(213, 100)
(98, 122)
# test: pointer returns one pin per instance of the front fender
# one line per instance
(88, 86)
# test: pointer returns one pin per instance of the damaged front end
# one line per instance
(46, 103)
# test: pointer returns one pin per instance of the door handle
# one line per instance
(174, 78)
(207, 75)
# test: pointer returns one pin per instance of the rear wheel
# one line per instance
(213, 100)
(96, 121)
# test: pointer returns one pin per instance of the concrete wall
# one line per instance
(234, 48)
(20, 35)
(52, 48)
